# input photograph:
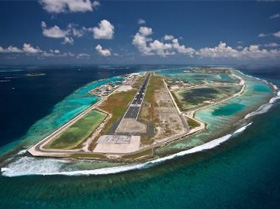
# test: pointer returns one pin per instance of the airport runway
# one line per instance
(135, 106)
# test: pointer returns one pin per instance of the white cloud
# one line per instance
(140, 40)
(147, 46)
(168, 37)
(222, 50)
(145, 31)
(68, 40)
(71, 54)
(13, 49)
(83, 56)
(96, 4)
(78, 32)
(274, 16)
(53, 32)
(72, 30)
(105, 30)
(27, 48)
(271, 45)
(262, 35)
(30, 49)
(141, 21)
(62, 6)
(102, 51)
(182, 48)
(55, 51)
(277, 34)
(250, 52)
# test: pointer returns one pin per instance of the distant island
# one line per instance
(35, 74)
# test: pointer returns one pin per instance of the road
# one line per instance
(135, 106)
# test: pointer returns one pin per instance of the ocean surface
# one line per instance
(242, 172)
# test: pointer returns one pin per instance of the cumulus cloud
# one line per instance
(68, 40)
(53, 32)
(102, 51)
(54, 51)
(148, 46)
(271, 45)
(140, 40)
(251, 52)
(262, 35)
(168, 37)
(83, 56)
(63, 6)
(105, 30)
(30, 49)
(274, 16)
(12, 49)
(27, 48)
(141, 21)
(222, 50)
(72, 30)
(277, 34)
(170, 46)
(145, 31)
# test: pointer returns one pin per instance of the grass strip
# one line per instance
(78, 132)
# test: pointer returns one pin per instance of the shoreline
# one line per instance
(101, 171)
(39, 150)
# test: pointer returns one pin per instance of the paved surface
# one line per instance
(116, 144)
(135, 107)
(114, 139)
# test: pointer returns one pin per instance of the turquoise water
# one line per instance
(229, 115)
(62, 112)
(241, 173)
(182, 74)
(227, 78)
(261, 88)
(228, 110)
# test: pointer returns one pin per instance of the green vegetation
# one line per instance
(177, 100)
(192, 123)
(89, 156)
(138, 82)
(129, 158)
(148, 112)
(197, 97)
(155, 83)
(140, 155)
(116, 105)
(78, 132)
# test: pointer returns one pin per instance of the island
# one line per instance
(143, 114)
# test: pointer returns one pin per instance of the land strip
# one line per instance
(117, 105)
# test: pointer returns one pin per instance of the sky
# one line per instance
(139, 32)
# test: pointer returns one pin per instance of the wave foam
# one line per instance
(243, 128)
(21, 152)
(35, 166)
(264, 108)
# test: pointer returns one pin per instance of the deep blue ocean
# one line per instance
(244, 172)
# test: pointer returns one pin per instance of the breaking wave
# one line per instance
(263, 108)
(35, 166)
